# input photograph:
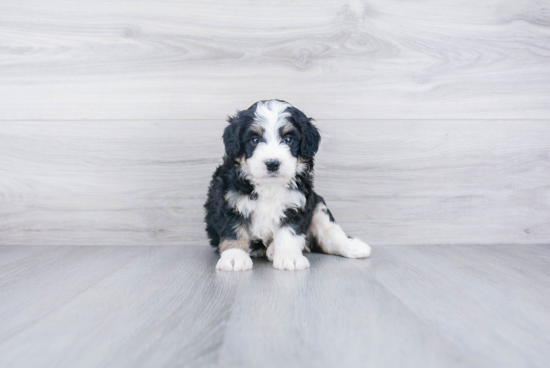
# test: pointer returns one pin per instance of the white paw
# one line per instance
(354, 248)
(269, 252)
(290, 262)
(234, 260)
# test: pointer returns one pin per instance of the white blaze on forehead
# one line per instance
(271, 116)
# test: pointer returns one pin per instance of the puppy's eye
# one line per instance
(255, 141)
(287, 139)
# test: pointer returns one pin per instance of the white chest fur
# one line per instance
(267, 210)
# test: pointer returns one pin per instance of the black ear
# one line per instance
(310, 140)
(232, 138)
(310, 135)
(232, 135)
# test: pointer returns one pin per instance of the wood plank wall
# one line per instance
(435, 115)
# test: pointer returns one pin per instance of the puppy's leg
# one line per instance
(332, 239)
(234, 253)
(287, 250)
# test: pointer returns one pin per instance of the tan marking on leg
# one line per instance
(242, 242)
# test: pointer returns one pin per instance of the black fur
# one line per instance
(310, 135)
(221, 219)
(233, 133)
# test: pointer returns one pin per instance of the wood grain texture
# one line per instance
(414, 306)
(335, 315)
(487, 296)
(334, 59)
(388, 182)
(44, 278)
(166, 307)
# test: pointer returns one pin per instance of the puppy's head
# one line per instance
(272, 141)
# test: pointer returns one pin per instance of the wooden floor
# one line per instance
(406, 306)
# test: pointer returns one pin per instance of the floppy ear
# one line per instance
(232, 135)
(310, 140)
(310, 135)
(232, 138)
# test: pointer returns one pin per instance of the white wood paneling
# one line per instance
(387, 181)
(121, 59)
(111, 114)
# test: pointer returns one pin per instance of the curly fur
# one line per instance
(262, 195)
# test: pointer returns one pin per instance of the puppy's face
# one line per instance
(272, 141)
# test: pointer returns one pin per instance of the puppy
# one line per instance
(261, 199)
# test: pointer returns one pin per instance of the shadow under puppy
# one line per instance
(261, 199)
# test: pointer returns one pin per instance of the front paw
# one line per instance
(290, 262)
(234, 260)
(354, 248)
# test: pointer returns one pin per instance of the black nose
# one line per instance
(272, 165)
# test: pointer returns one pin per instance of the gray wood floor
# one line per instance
(407, 306)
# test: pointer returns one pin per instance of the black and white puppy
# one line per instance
(261, 199)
